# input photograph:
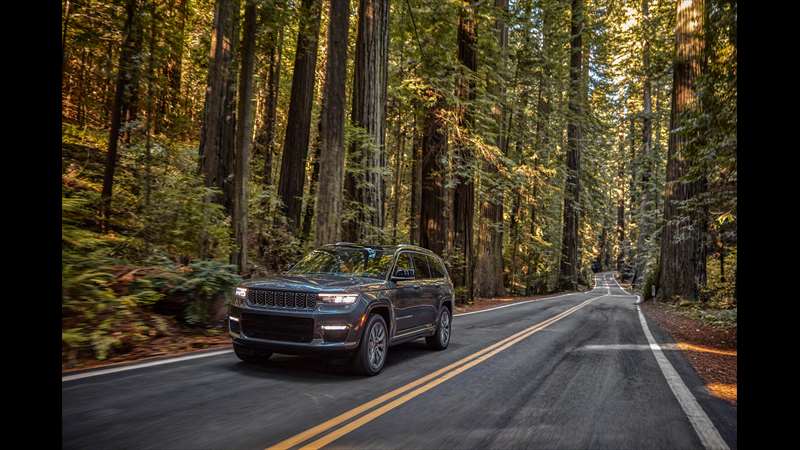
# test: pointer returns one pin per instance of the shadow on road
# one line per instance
(321, 369)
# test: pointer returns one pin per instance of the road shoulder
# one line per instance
(710, 350)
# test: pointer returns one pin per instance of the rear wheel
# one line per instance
(441, 339)
(251, 355)
(371, 354)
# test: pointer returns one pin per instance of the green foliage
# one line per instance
(720, 292)
(107, 302)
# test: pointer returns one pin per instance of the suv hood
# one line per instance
(316, 283)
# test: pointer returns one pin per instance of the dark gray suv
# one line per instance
(350, 299)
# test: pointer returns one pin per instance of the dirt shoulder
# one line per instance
(164, 347)
(710, 349)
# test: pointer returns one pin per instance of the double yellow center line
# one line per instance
(422, 385)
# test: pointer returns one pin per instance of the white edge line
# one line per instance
(702, 425)
(95, 373)
(513, 304)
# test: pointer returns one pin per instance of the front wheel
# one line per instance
(441, 339)
(371, 355)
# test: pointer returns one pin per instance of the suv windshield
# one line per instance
(358, 262)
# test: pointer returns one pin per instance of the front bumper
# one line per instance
(327, 328)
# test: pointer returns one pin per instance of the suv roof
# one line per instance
(388, 248)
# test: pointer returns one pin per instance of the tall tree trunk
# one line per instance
(464, 191)
(489, 260)
(433, 199)
(369, 112)
(683, 250)
(151, 95)
(127, 74)
(218, 134)
(244, 136)
(295, 144)
(645, 191)
(398, 171)
(331, 152)
(265, 137)
(568, 273)
(313, 186)
(170, 102)
(64, 27)
(543, 108)
(415, 226)
(621, 208)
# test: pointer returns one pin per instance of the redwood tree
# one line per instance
(244, 133)
(124, 97)
(331, 149)
(464, 191)
(433, 226)
(489, 261)
(370, 75)
(295, 144)
(683, 250)
(568, 274)
(218, 134)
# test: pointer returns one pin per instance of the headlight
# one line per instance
(241, 292)
(339, 299)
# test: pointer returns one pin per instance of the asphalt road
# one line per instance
(572, 371)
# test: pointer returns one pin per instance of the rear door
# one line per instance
(426, 302)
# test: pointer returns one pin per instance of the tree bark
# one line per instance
(369, 112)
(621, 208)
(244, 136)
(433, 199)
(295, 145)
(415, 226)
(331, 154)
(170, 102)
(265, 137)
(218, 134)
(151, 95)
(127, 75)
(683, 249)
(464, 191)
(568, 273)
(645, 190)
(398, 171)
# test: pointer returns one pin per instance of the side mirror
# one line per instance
(403, 274)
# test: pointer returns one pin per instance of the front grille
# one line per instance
(281, 299)
(278, 328)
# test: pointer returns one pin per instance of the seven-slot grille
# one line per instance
(282, 299)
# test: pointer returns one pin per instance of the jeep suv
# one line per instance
(345, 299)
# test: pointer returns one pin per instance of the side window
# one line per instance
(403, 263)
(437, 271)
(421, 265)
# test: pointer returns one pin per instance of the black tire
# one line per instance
(361, 360)
(440, 340)
(251, 355)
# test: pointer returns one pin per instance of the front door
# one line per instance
(406, 294)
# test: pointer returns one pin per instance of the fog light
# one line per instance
(334, 327)
(233, 325)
